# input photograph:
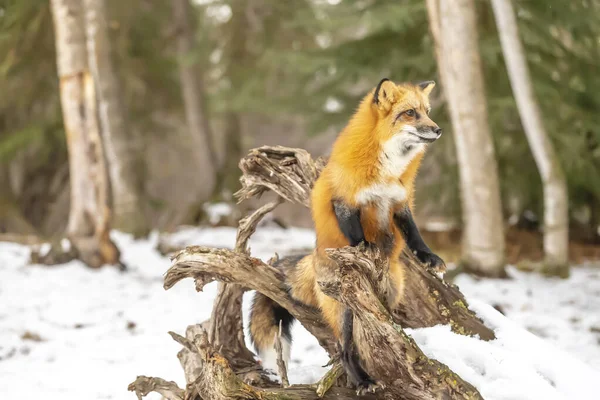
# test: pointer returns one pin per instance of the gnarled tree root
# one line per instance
(217, 363)
(396, 359)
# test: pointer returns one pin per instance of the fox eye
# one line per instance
(410, 113)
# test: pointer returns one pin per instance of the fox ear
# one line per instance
(386, 94)
(427, 87)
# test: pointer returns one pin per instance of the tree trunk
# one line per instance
(237, 69)
(199, 131)
(12, 219)
(483, 233)
(230, 172)
(89, 215)
(556, 207)
(122, 146)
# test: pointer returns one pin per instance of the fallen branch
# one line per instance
(226, 327)
(329, 379)
(280, 363)
(144, 385)
(91, 250)
(205, 264)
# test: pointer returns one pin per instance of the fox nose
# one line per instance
(438, 131)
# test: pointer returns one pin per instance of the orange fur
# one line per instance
(359, 161)
(355, 165)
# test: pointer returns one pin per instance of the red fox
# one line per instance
(364, 194)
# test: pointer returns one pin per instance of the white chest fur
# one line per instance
(383, 196)
(381, 192)
(397, 153)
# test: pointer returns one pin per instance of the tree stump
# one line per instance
(214, 356)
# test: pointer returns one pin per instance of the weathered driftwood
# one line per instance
(143, 385)
(214, 379)
(291, 173)
(281, 367)
(206, 264)
(396, 360)
(430, 301)
(230, 372)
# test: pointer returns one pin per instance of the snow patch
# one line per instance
(44, 249)
(517, 365)
(65, 244)
(217, 211)
(114, 325)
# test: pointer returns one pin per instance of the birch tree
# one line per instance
(556, 203)
(89, 216)
(122, 147)
(461, 73)
(199, 131)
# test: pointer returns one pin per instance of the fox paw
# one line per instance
(431, 260)
(368, 386)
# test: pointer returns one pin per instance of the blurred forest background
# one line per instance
(181, 90)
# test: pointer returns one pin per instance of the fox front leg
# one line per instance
(348, 219)
(406, 224)
(349, 222)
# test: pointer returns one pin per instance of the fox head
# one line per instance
(402, 114)
(389, 132)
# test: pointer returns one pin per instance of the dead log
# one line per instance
(430, 301)
(64, 250)
(396, 360)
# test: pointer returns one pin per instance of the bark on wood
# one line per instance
(430, 301)
(281, 367)
(399, 364)
(200, 134)
(396, 361)
(207, 264)
(216, 380)
(122, 146)
(144, 385)
(330, 378)
(483, 237)
(89, 217)
(556, 206)
(291, 173)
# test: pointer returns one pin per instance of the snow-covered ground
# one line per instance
(68, 332)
